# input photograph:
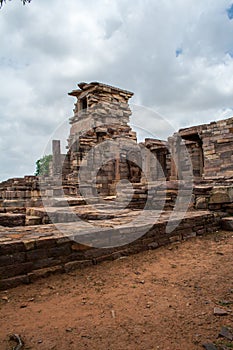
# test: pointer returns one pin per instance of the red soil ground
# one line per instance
(161, 299)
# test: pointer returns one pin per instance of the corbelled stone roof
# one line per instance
(96, 86)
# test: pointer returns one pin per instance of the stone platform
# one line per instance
(29, 252)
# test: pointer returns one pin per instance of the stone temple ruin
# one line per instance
(109, 195)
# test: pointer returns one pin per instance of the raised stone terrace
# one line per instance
(27, 253)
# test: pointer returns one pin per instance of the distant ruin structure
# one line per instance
(103, 150)
(211, 149)
(102, 113)
(105, 169)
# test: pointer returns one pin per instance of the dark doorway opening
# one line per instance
(194, 145)
(83, 103)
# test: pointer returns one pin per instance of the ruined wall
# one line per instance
(216, 197)
(212, 149)
(156, 162)
(218, 149)
(18, 193)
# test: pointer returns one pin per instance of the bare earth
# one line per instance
(161, 299)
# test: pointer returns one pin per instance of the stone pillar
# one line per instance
(57, 167)
(173, 151)
(117, 168)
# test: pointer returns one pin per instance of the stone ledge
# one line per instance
(27, 253)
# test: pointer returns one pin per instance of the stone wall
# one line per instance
(216, 197)
(19, 193)
(156, 162)
(25, 256)
(212, 154)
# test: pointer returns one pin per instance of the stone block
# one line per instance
(12, 219)
(15, 270)
(11, 259)
(218, 197)
(46, 263)
(61, 250)
(227, 223)
(11, 247)
(45, 272)
(14, 282)
(201, 203)
(33, 220)
(73, 265)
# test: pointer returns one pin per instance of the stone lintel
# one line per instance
(100, 87)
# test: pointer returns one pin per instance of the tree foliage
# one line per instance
(42, 165)
(23, 1)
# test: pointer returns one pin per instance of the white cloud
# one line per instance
(47, 47)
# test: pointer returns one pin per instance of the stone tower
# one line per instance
(101, 143)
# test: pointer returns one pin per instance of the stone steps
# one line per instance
(12, 219)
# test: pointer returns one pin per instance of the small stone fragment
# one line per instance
(220, 312)
(209, 346)
(69, 329)
(225, 302)
(5, 299)
(226, 333)
(220, 253)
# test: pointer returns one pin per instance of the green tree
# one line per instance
(23, 1)
(42, 165)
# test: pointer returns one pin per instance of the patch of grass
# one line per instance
(226, 344)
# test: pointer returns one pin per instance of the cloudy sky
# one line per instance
(175, 55)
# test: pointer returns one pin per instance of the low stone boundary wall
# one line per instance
(27, 253)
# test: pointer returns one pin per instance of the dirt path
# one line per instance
(162, 299)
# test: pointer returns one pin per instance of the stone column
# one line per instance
(57, 167)
(173, 151)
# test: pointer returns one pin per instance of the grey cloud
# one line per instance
(47, 47)
(111, 26)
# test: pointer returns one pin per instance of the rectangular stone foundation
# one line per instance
(35, 251)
